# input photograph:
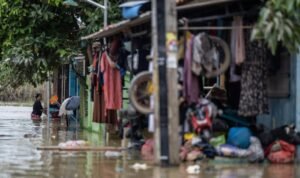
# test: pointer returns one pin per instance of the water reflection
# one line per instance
(19, 138)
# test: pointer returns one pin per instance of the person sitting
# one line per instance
(37, 108)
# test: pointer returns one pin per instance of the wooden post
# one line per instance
(173, 107)
(165, 79)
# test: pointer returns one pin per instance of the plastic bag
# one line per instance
(286, 154)
(239, 137)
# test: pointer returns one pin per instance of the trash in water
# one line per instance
(73, 144)
(138, 166)
(111, 154)
(194, 169)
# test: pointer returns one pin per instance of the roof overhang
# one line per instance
(119, 27)
(146, 17)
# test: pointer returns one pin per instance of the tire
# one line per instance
(136, 87)
(227, 59)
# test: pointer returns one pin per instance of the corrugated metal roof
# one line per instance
(119, 27)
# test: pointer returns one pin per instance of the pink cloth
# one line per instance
(112, 85)
(238, 41)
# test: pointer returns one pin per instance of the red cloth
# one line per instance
(112, 85)
(286, 154)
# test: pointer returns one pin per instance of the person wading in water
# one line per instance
(37, 108)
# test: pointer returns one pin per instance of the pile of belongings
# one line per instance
(240, 143)
(73, 144)
(279, 144)
(196, 149)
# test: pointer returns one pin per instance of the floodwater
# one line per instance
(20, 158)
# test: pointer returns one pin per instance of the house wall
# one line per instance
(283, 109)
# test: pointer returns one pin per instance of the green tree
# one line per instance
(279, 22)
(36, 36)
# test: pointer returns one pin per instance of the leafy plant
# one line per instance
(279, 22)
(37, 36)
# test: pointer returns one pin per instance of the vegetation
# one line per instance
(38, 35)
(23, 94)
(279, 22)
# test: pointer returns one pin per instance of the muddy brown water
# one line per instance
(19, 138)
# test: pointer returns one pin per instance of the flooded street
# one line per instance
(19, 138)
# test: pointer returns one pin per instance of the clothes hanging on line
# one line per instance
(253, 99)
(99, 107)
(93, 75)
(191, 89)
(205, 54)
(98, 98)
(237, 45)
(238, 41)
(138, 62)
(112, 84)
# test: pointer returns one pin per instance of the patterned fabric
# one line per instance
(253, 100)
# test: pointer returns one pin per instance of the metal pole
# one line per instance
(105, 12)
(48, 99)
(105, 23)
(105, 20)
(96, 4)
(48, 107)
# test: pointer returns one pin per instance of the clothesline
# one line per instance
(214, 28)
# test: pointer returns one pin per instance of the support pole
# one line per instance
(105, 12)
(105, 22)
(48, 100)
(296, 67)
(165, 77)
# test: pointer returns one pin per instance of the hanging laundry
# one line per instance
(112, 84)
(205, 54)
(191, 83)
(237, 50)
(253, 99)
(238, 40)
(138, 63)
(93, 75)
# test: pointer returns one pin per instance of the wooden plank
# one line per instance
(119, 27)
(57, 148)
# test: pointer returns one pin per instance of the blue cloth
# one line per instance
(239, 137)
